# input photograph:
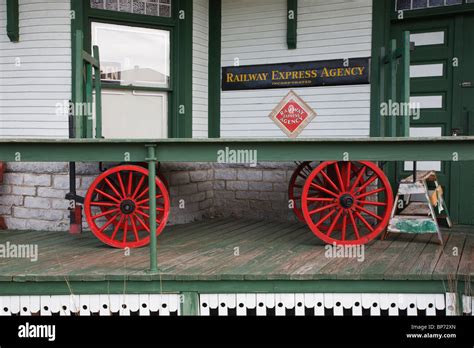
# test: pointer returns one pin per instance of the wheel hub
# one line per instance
(127, 207)
(346, 201)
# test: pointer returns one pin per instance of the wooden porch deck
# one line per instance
(238, 250)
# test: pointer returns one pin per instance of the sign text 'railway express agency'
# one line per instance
(305, 74)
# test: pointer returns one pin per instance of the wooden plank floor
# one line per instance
(239, 250)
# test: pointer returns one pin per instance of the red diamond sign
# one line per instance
(292, 115)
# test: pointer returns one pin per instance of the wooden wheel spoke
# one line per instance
(339, 176)
(109, 222)
(125, 229)
(354, 225)
(144, 192)
(141, 222)
(107, 195)
(320, 222)
(368, 212)
(334, 223)
(364, 221)
(348, 175)
(108, 212)
(370, 193)
(139, 186)
(326, 207)
(148, 199)
(130, 182)
(112, 186)
(103, 204)
(328, 179)
(320, 188)
(122, 186)
(117, 227)
(357, 180)
(319, 199)
(379, 204)
(372, 178)
(134, 228)
(344, 227)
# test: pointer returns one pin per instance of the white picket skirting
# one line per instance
(321, 304)
(86, 305)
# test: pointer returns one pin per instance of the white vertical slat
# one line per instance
(241, 300)
(64, 305)
(309, 300)
(372, 302)
(204, 300)
(251, 301)
(46, 307)
(74, 304)
(318, 304)
(356, 301)
(5, 308)
(144, 305)
(440, 302)
(15, 304)
(114, 303)
(328, 301)
(338, 304)
(94, 304)
(56, 304)
(213, 301)
(280, 309)
(105, 304)
(155, 303)
(410, 300)
(85, 309)
(165, 308)
(173, 303)
(299, 305)
(222, 303)
(25, 306)
(393, 309)
(133, 302)
(466, 304)
(35, 304)
(270, 300)
(261, 300)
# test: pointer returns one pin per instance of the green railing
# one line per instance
(87, 78)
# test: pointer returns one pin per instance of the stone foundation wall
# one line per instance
(32, 194)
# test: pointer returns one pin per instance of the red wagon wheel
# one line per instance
(104, 187)
(117, 207)
(298, 179)
(348, 201)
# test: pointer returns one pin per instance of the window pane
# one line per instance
(155, 8)
(133, 56)
(420, 4)
(403, 4)
(434, 3)
(453, 2)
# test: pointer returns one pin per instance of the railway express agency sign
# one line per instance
(292, 115)
(290, 75)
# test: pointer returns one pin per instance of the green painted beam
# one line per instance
(215, 28)
(13, 21)
(292, 27)
(209, 150)
(191, 288)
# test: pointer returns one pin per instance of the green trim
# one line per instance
(184, 73)
(190, 289)
(13, 21)
(77, 46)
(380, 22)
(292, 28)
(215, 37)
(270, 150)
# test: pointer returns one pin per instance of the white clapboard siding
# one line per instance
(200, 67)
(35, 73)
(255, 33)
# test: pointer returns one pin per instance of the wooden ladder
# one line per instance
(419, 208)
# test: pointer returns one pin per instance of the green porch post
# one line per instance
(151, 159)
(98, 95)
(13, 27)
(404, 127)
(190, 304)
